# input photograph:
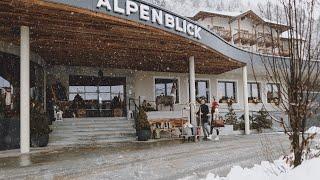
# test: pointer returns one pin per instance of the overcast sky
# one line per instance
(191, 7)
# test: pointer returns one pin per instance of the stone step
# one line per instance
(79, 142)
(91, 128)
(56, 139)
(96, 119)
(92, 133)
(89, 122)
(94, 125)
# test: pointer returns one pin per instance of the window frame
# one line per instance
(249, 84)
(209, 87)
(272, 91)
(236, 98)
(178, 99)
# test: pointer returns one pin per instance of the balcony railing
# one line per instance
(225, 34)
(285, 53)
(267, 40)
(244, 37)
(265, 51)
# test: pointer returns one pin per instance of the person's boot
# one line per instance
(210, 137)
(217, 138)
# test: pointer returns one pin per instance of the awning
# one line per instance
(67, 35)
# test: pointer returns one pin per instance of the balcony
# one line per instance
(267, 40)
(266, 51)
(225, 34)
(244, 37)
(271, 41)
(284, 53)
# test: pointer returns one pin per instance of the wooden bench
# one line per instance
(166, 125)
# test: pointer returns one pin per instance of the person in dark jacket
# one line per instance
(203, 115)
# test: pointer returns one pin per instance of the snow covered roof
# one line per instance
(225, 13)
(273, 22)
(235, 15)
(201, 14)
(286, 35)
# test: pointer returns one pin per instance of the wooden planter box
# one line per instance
(81, 113)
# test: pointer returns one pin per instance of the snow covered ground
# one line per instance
(278, 170)
(167, 160)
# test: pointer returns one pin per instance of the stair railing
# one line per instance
(135, 110)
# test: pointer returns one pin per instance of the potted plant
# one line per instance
(142, 126)
(39, 126)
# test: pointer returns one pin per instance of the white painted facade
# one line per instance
(142, 84)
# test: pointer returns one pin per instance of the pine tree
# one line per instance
(261, 120)
(231, 117)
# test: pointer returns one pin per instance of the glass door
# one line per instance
(102, 96)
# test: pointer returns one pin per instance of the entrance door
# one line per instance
(102, 96)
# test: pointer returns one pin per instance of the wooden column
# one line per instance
(239, 32)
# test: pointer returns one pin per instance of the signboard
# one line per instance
(151, 15)
(147, 13)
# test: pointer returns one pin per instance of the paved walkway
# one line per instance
(152, 160)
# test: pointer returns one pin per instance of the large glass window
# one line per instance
(254, 92)
(227, 90)
(104, 93)
(273, 94)
(91, 88)
(167, 87)
(202, 89)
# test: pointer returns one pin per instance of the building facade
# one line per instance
(248, 31)
(113, 53)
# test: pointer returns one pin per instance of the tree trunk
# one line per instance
(296, 148)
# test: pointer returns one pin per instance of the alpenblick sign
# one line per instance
(150, 14)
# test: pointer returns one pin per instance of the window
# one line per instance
(226, 90)
(202, 90)
(254, 92)
(167, 87)
(273, 93)
(92, 88)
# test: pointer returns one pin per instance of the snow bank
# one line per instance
(279, 170)
(313, 130)
(309, 170)
(264, 171)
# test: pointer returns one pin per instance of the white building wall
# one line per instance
(142, 84)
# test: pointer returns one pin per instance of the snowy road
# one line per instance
(156, 160)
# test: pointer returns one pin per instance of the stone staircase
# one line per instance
(86, 131)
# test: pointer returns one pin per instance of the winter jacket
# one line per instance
(204, 113)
